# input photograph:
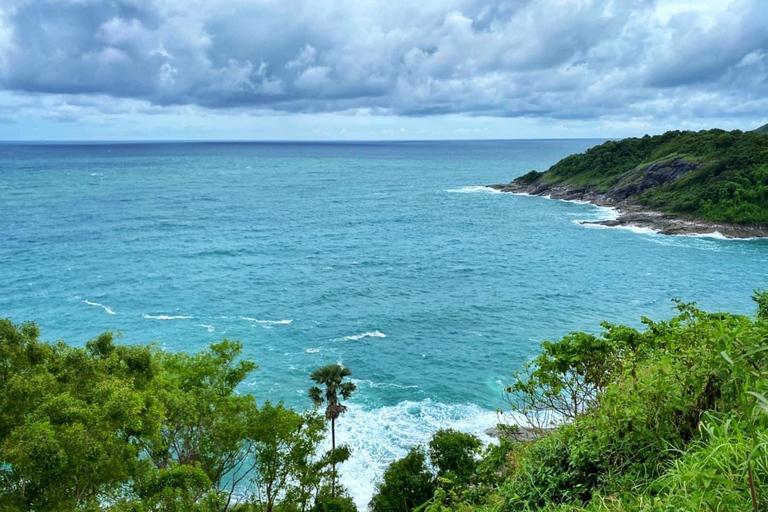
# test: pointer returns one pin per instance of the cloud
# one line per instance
(558, 59)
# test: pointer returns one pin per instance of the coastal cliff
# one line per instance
(676, 183)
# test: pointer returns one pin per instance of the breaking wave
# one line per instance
(379, 436)
(373, 334)
(474, 190)
(105, 308)
(166, 317)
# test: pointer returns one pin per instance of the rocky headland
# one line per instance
(623, 197)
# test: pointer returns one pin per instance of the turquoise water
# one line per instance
(387, 257)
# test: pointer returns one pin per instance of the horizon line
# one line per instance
(287, 141)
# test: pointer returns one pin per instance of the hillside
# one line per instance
(763, 130)
(668, 417)
(710, 179)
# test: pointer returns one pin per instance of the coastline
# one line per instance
(631, 214)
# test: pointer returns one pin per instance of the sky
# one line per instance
(379, 69)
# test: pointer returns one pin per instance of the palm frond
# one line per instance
(316, 395)
(347, 388)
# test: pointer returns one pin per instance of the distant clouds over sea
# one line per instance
(568, 61)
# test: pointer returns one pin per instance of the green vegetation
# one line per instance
(453, 454)
(406, 484)
(762, 130)
(671, 417)
(410, 484)
(137, 429)
(729, 184)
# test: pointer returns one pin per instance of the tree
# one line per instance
(206, 422)
(454, 453)
(338, 504)
(284, 444)
(133, 428)
(564, 380)
(407, 483)
(332, 377)
(71, 420)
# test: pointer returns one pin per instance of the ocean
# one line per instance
(388, 257)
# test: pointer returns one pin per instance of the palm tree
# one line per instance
(332, 376)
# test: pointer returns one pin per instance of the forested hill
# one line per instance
(762, 130)
(713, 175)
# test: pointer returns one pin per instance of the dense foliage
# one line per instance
(670, 417)
(730, 184)
(673, 416)
(406, 484)
(134, 428)
(453, 454)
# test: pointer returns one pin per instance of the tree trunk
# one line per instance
(333, 454)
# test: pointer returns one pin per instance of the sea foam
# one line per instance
(474, 189)
(380, 385)
(266, 323)
(372, 334)
(273, 322)
(166, 317)
(379, 436)
(105, 308)
(628, 227)
(609, 213)
(716, 235)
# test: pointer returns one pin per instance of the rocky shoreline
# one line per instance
(521, 434)
(630, 213)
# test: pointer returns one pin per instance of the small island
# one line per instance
(678, 183)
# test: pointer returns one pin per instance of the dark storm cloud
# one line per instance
(569, 59)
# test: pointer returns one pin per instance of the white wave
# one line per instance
(716, 235)
(273, 322)
(379, 436)
(208, 326)
(635, 229)
(610, 213)
(374, 334)
(166, 317)
(640, 230)
(601, 212)
(266, 323)
(549, 196)
(313, 350)
(383, 385)
(105, 308)
(474, 190)
(606, 213)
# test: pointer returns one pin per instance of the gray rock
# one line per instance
(630, 212)
(521, 434)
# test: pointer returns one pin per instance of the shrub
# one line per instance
(326, 503)
(406, 484)
(679, 423)
(454, 454)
